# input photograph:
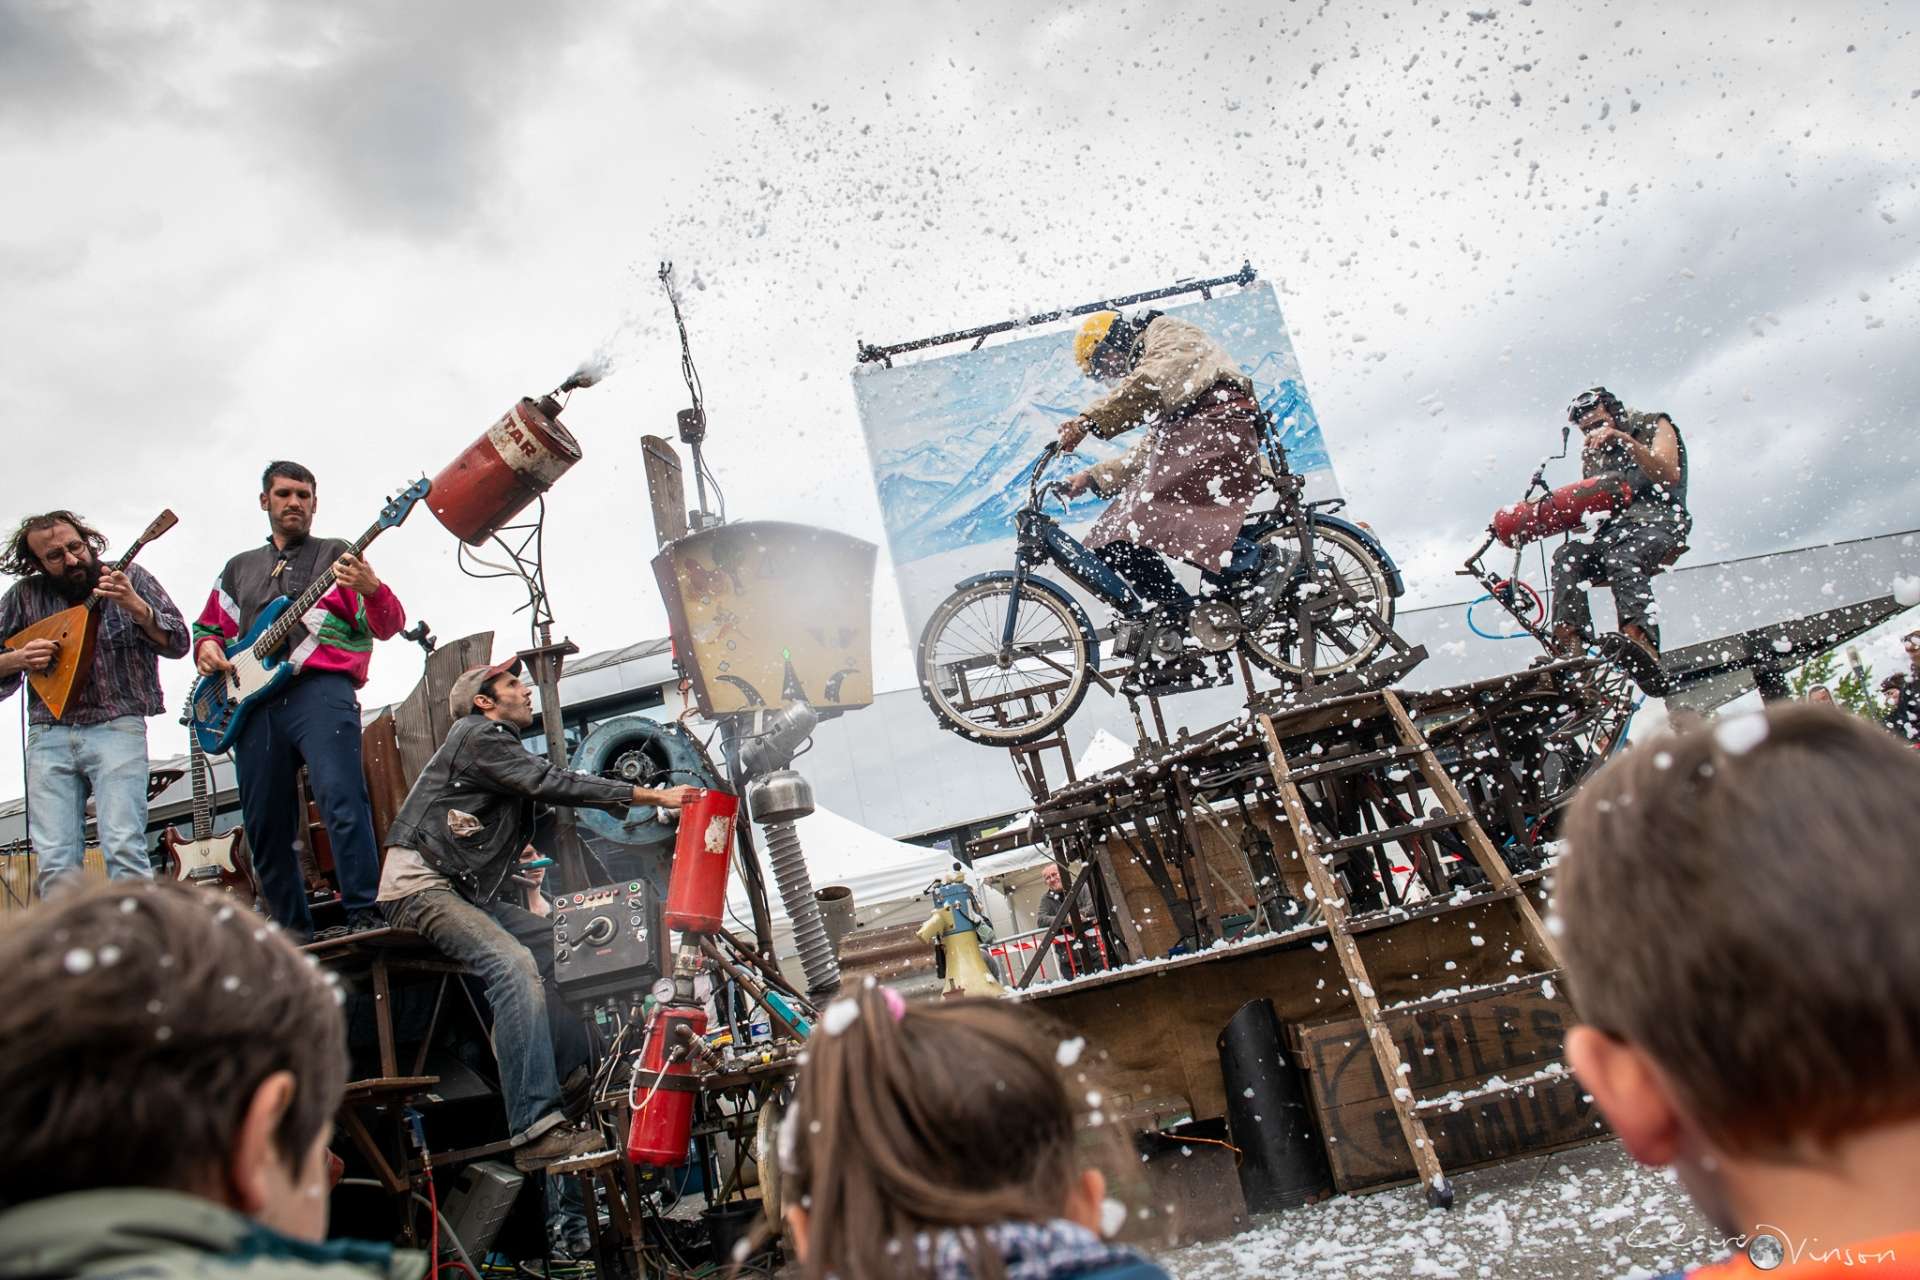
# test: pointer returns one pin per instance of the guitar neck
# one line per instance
(276, 635)
(202, 804)
(163, 522)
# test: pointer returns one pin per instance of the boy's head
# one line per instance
(1735, 912)
(152, 1036)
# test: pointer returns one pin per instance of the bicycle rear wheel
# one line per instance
(1006, 699)
(1342, 637)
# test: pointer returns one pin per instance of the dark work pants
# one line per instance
(1624, 553)
(1151, 578)
(314, 720)
(536, 1038)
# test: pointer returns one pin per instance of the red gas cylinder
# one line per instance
(664, 1089)
(1561, 510)
(513, 462)
(697, 888)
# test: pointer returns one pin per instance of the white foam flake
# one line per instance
(77, 960)
(839, 1016)
(1740, 734)
(1068, 1052)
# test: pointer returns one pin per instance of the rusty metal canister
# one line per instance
(513, 462)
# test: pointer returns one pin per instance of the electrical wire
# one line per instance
(433, 1250)
(691, 376)
(453, 1240)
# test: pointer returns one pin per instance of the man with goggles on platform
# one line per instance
(1631, 544)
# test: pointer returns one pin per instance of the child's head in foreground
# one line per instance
(1737, 912)
(911, 1120)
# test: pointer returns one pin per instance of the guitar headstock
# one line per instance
(398, 507)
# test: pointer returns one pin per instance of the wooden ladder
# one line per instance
(1317, 856)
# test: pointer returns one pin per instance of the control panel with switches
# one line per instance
(605, 940)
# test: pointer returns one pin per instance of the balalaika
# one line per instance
(260, 664)
(74, 631)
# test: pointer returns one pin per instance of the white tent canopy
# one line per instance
(877, 868)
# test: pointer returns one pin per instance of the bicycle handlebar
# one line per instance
(1047, 455)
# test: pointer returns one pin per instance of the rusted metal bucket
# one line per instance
(513, 462)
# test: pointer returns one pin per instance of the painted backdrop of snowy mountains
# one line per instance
(953, 439)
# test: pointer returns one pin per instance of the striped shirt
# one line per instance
(126, 662)
(337, 634)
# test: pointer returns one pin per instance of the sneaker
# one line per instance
(568, 1239)
(562, 1142)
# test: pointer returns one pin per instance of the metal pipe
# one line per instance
(867, 353)
(748, 985)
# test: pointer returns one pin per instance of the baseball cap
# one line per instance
(466, 686)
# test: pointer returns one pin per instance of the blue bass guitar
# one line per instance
(220, 702)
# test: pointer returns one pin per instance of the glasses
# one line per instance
(75, 551)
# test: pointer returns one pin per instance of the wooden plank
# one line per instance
(1390, 835)
(386, 776)
(1352, 763)
(1467, 995)
(1122, 910)
(422, 719)
(1447, 1049)
(666, 489)
(1364, 1149)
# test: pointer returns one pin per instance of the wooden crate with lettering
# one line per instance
(1486, 1073)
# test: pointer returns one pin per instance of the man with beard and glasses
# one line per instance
(312, 719)
(100, 745)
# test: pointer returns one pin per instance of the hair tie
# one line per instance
(896, 1003)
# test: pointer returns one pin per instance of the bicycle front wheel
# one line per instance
(1004, 698)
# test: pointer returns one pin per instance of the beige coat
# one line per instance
(1185, 488)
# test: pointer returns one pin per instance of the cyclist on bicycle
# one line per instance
(1634, 543)
(1184, 490)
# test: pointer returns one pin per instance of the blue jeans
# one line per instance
(511, 951)
(64, 764)
(315, 722)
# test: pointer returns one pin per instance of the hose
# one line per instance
(1539, 609)
(803, 910)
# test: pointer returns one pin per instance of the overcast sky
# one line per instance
(355, 234)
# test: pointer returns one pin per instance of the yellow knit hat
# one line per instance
(1093, 331)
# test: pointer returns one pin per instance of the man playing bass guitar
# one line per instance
(313, 719)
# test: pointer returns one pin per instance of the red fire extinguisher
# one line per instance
(697, 888)
(664, 1089)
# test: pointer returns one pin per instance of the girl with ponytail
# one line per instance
(937, 1142)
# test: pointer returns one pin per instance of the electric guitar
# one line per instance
(221, 701)
(215, 862)
(73, 632)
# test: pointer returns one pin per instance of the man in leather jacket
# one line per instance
(451, 851)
